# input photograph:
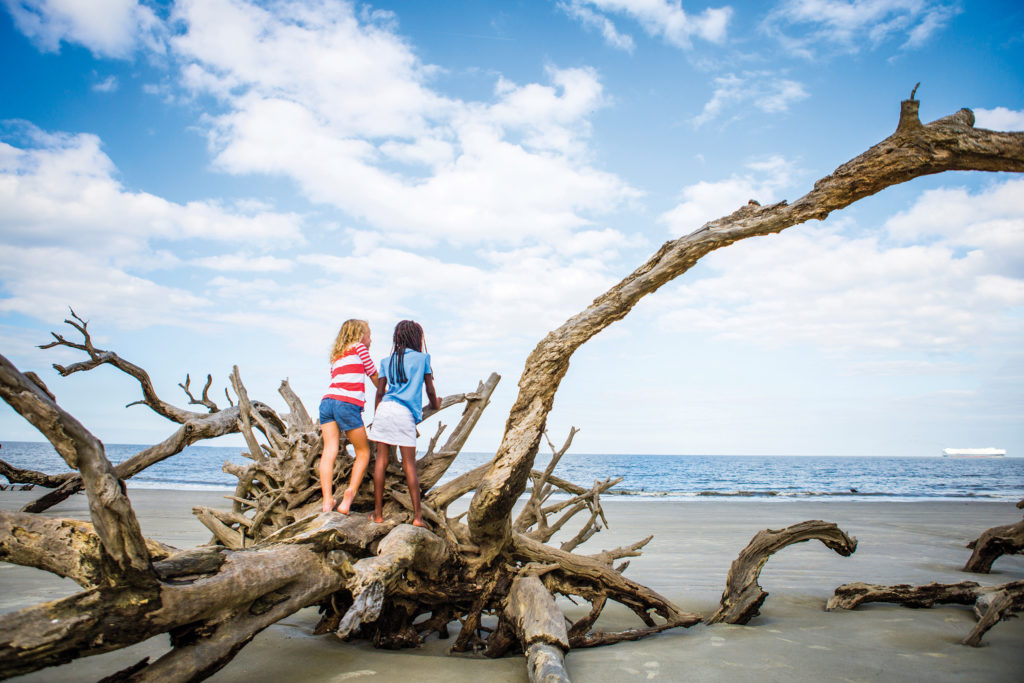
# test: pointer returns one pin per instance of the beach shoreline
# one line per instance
(687, 561)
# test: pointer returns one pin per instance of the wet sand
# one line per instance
(793, 639)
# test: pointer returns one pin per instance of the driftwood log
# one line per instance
(993, 544)
(743, 595)
(991, 603)
(273, 552)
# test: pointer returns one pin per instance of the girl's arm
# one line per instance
(382, 387)
(373, 380)
(434, 401)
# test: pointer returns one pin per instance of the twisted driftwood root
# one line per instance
(991, 603)
(743, 595)
(371, 577)
(993, 544)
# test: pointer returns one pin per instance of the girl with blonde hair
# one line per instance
(341, 409)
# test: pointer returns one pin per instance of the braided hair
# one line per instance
(408, 335)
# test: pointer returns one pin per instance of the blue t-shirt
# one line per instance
(409, 393)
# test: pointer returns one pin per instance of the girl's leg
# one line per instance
(380, 466)
(332, 436)
(409, 466)
(357, 437)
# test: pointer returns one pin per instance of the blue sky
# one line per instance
(221, 182)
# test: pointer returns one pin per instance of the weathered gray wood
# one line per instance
(65, 547)
(546, 664)
(601, 578)
(432, 467)
(198, 429)
(852, 595)
(993, 544)
(298, 417)
(404, 545)
(99, 357)
(111, 512)
(540, 626)
(18, 475)
(991, 603)
(743, 596)
(219, 587)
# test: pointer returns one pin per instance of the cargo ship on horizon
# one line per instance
(973, 452)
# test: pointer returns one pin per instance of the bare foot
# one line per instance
(417, 522)
(328, 505)
(346, 501)
(378, 519)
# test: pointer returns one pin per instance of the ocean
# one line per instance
(652, 477)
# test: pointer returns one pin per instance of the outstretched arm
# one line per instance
(432, 399)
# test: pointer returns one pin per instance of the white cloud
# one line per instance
(43, 281)
(665, 19)
(990, 222)
(962, 291)
(108, 84)
(62, 188)
(243, 262)
(707, 200)
(592, 20)
(804, 26)
(344, 108)
(764, 90)
(111, 28)
(338, 102)
(999, 118)
(71, 233)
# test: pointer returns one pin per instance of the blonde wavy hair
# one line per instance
(351, 332)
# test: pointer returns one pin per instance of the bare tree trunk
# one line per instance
(540, 627)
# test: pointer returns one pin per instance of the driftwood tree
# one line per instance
(493, 574)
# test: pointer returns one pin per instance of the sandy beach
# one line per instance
(793, 639)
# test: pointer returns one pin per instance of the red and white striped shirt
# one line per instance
(347, 373)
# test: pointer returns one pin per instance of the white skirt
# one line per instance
(393, 424)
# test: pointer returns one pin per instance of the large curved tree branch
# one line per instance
(65, 547)
(949, 144)
(111, 512)
(743, 596)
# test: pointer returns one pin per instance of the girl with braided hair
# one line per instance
(403, 376)
(341, 409)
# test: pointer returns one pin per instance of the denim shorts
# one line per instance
(347, 415)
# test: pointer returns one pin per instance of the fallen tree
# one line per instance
(273, 552)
